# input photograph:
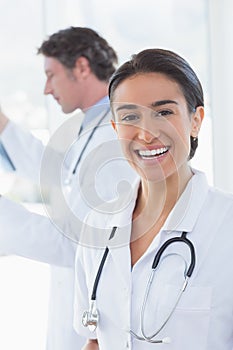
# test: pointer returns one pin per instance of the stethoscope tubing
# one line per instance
(95, 286)
(88, 141)
(184, 239)
(97, 278)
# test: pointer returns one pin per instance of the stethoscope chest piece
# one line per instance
(90, 318)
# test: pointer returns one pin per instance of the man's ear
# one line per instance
(82, 68)
(197, 119)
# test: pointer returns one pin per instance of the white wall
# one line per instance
(221, 58)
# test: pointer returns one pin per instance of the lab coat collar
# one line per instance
(124, 209)
(184, 214)
(95, 112)
(186, 211)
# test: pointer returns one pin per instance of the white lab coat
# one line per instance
(203, 319)
(35, 237)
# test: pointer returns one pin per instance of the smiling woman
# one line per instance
(158, 107)
(165, 115)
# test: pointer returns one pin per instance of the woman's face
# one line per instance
(154, 125)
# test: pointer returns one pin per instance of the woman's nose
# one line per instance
(146, 134)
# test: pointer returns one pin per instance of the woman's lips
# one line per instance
(152, 153)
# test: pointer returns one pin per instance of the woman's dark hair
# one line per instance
(69, 44)
(170, 64)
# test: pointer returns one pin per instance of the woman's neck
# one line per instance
(156, 200)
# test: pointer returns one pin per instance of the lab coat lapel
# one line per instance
(122, 260)
(119, 245)
(183, 216)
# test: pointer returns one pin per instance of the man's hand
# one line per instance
(92, 344)
(3, 120)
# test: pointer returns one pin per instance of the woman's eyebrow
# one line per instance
(153, 104)
(163, 102)
(127, 106)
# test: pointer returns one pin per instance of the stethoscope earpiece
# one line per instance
(166, 340)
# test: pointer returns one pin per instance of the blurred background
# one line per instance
(201, 31)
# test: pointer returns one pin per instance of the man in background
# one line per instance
(78, 64)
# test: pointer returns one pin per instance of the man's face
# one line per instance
(62, 84)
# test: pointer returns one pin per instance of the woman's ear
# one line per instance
(197, 119)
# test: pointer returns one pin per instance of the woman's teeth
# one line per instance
(151, 153)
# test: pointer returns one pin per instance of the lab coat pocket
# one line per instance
(189, 323)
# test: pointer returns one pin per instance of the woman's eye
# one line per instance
(130, 118)
(164, 113)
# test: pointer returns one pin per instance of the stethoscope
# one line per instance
(68, 180)
(90, 318)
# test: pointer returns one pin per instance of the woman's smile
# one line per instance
(152, 153)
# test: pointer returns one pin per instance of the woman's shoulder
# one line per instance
(215, 195)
